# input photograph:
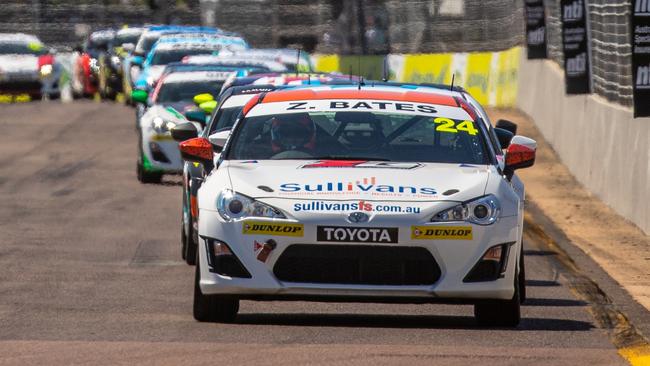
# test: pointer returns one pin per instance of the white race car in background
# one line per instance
(27, 67)
(173, 95)
(380, 194)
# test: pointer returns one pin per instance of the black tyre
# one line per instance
(147, 177)
(183, 240)
(522, 277)
(213, 308)
(191, 244)
(499, 313)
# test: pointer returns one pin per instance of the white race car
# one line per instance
(173, 95)
(27, 67)
(380, 194)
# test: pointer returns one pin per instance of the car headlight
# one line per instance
(46, 69)
(161, 126)
(232, 206)
(115, 61)
(482, 211)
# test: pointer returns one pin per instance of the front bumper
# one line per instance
(455, 259)
(161, 152)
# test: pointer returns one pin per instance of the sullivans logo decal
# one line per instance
(365, 185)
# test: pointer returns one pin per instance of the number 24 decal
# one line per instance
(449, 125)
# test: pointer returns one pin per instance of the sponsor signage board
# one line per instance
(640, 21)
(575, 44)
(535, 29)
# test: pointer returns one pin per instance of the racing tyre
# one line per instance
(500, 313)
(183, 241)
(190, 245)
(148, 177)
(522, 278)
(219, 309)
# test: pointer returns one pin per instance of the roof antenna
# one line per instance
(298, 62)
(359, 70)
(350, 73)
(453, 76)
(308, 79)
(384, 77)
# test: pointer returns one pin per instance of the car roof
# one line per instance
(235, 61)
(357, 92)
(18, 38)
(193, 76)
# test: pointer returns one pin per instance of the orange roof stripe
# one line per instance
(408, 96)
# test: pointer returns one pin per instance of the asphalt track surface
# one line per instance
(91, 273)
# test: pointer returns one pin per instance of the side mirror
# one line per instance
(507, 125)
(184, 131)
(202, 98)
(139, 96)
(209, 106)
(128, 47)
(218, 139)
(137, 60)
(504, 137)
(196, 115)
(520, 154)
(198, 150)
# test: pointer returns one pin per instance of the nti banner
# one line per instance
(535, 29)
(575, 43)
(641, 56)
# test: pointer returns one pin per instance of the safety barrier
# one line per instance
(491, 77)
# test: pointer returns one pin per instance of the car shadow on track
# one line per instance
(403, 321)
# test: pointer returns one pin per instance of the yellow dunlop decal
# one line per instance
(441, 232)
(272, 228)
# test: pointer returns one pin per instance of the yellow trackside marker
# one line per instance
(97, 97)
(636, 355)
(119, 98)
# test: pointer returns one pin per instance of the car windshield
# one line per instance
(364, 135)
(122, 39)
(145, 43)
(98, 43)
(185, 91)
(167, 56)
(21, 49)
(226, 118)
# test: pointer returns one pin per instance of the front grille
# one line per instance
(357, 264)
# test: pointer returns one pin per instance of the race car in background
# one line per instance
(132, 64)
(173, 49)
(27, 68)
(110, 62)
(85, 66)
(364, 193)
(294, 60)
(174, 94)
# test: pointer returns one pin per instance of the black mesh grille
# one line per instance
(357, 264)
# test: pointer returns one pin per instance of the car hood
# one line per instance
(345, 180)
(18, 63)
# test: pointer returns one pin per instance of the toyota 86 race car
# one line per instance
(27, 68)
(174, 93)
(379, 194)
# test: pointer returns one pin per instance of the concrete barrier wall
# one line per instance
(605, 148)
(491, 77)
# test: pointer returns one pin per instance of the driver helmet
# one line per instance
(293, 132)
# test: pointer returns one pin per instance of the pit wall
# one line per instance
(604, 147)
(491, 77)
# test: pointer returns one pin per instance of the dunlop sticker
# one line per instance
(441, 232)
(272, 228)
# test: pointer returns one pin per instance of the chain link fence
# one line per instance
(67, 22)
(611, 54)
